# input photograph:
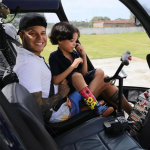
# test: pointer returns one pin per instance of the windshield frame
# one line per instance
(139, 12)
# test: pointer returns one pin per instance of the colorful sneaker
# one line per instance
(88, 108)
(103, 111)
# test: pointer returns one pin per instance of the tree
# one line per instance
(15, 21)
(80, 24)
(96, 19)
(118, 19)
(17, 18)
(9, 17)
(50, 25)
(131, 15)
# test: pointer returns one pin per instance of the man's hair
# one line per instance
(23, 30)
(62, 31)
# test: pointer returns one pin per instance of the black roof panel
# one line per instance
(32, 4)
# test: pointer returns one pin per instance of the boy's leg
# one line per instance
(81, 86)
(112, 96)
(78, 81)
(97, 86)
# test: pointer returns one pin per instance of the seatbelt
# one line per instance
(51, 90)
(51, 93)
(13, 40)
(48, 113)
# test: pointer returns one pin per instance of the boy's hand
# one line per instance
(64, 88)
(80, 49)
(76, 62)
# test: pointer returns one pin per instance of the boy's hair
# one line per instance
(62, 31)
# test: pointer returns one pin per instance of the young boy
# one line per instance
(67, 63)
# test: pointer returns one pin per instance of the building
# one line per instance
(114, 23)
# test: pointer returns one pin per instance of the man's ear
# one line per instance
(21, 35)
(59, 42)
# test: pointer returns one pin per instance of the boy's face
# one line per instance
(34, 39)
(68, 45)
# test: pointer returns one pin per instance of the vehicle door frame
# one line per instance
(135, 7)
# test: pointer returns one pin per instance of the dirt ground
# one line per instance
(138, 71)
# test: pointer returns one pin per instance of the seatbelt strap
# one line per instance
(51, 90)
(49, 112)
(13, 40)
(51, 93)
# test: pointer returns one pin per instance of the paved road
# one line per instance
(138, 70)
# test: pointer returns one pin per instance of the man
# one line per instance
(33, 73)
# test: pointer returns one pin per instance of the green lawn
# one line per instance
(112, 45)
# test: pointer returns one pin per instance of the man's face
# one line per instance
(34, 39)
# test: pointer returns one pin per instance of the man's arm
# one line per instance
(47, 103)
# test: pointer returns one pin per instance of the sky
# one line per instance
(85, 10)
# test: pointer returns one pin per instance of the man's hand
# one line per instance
(64, 88)
(76, 62)
(80, 49)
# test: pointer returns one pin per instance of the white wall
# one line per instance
(110, 30)
(107, 30)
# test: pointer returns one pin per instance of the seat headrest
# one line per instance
(16, 93)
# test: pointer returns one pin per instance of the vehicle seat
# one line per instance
(21, 98)
(89, 135)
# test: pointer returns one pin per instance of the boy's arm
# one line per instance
(47, 103)
(84, 66)
(57, 79)
(57, 76)
(81, 50)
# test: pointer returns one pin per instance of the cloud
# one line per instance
(145, 4)
(51, 17)
(69, 4)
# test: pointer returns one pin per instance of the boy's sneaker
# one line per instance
(103, 111)
(88, 108)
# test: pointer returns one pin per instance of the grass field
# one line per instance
(112, 45)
